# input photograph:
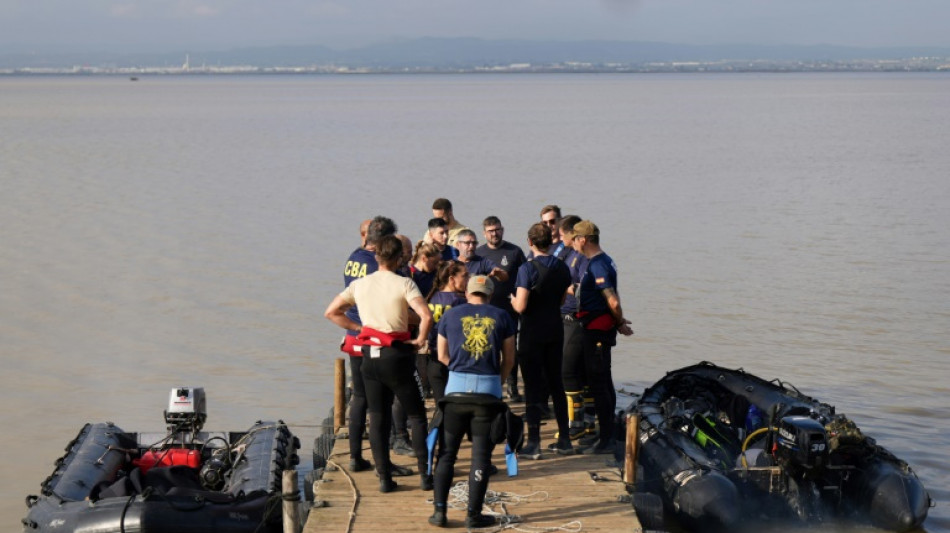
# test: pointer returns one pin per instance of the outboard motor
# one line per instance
(187, 409)
(801, 449)
(801, 445)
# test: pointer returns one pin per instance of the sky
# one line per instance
(170, 25)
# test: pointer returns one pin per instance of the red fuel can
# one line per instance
(170, 457)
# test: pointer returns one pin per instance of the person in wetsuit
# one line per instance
(477, 343)
(601, 316)
(388, 367)
(539, 292)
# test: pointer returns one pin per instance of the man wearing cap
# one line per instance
(477, 343)
(601, 315)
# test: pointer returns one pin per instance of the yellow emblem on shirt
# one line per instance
(477, 330)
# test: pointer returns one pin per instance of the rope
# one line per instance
(458, 499)
(356, 495)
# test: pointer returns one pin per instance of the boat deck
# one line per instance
(569, 493)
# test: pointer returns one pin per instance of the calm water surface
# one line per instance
(191, 230)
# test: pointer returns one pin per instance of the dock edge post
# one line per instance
(291, 502)
(632, 441)
(339, 394)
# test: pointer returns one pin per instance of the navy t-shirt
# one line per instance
(476, 334)
(601, 274)
(577, 263)
(360, 264)
(509, 258)
(542, 317)
(423, 280)
(449, 253)
(479, 266)
(440, 303)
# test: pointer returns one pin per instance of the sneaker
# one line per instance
(426, 482)
(564, 447)
(479, 520)
(387, 485)
(530, 450)
(438, 519)
(359, 464)
(401, 447)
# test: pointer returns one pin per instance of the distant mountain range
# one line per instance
(461, 53)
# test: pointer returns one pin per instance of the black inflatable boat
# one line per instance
(721, 446)
(182, 481)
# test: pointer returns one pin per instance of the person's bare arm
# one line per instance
(613, 303)
(507, 358)
(336, 313)
(425, 321)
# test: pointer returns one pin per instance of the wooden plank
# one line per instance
(578, 493)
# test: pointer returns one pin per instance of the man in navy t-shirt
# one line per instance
(474, 263)
(602, 317)
(509, 258)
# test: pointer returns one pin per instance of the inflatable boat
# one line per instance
(720, 447)
(184, 480)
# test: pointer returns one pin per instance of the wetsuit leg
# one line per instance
(552, 361)
(455, 422)
(379, 399)
(403, 379)
(597, 360)
(357, 422)
(529, 357)
(482, 448)
(459, 419)
(573, 373)
(399, 420)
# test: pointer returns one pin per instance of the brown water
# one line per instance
(191, 230)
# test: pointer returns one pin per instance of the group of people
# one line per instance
(459, 320)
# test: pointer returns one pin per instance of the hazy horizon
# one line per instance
(163, 25)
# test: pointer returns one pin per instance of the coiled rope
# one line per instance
(458, 499)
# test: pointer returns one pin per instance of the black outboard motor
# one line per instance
(801, 449)
(801, 445)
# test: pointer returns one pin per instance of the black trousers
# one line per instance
(597, 345)
(457, 420)
(541, 361)
(392, 374)
(357, 423)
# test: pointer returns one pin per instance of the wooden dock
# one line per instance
(565, 493)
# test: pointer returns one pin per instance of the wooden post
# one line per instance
(632, 442)
(339, 395)
(291, 506)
